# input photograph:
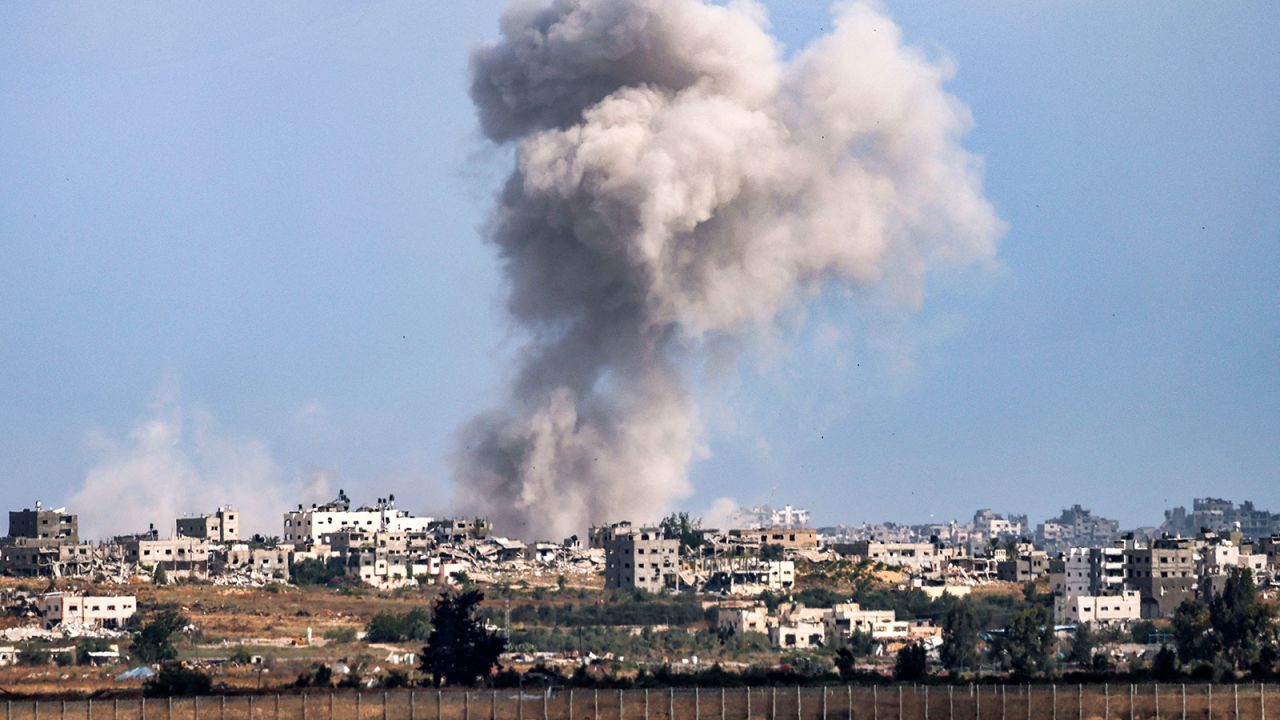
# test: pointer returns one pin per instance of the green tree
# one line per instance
(1239, 622)
(687, 529)
(1164, 668)
(154, 643)
(314, 571)
(771, 551)
(1142, 631)
(460, 650)
(159, 576)
(912, 663)
(1192, 633)
(177, 680)
(90, 645)
(321, 675)
(960, 637)
(1029, 642)
(1082, 647)
(858, 645)
(389, 626)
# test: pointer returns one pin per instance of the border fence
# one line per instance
(843, 702)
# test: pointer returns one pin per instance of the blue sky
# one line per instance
(265, 220)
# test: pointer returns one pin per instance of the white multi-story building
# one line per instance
(87, 611)
(1070, 576)
(992, 525)
(1098, 609)
(319, 523)
(745, 619)
(917, 557)
(845, 619)
(789, 517)
(797, 627)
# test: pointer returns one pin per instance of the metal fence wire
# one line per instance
(843, 702)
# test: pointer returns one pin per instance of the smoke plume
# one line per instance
(676, 182)
(177, 463)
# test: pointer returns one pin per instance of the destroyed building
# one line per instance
(223, 526)
(41, 524)
(181, 557)
(44, 543)
(639, 558)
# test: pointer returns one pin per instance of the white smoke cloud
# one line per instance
(677, 183)
(178, 462)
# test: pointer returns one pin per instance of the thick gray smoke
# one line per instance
(676, 181)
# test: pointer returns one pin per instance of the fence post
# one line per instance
(88, 710)
(62, 709)
(875, 704)
(697, 703)
(1156, 687)
(1235, 695)
(1262, 701)
(595, 703)
(570, 703)
(773, 715)
(899, 701)
(359, 706)
(413, 705)
(195, 708)
(977, 701)
(493, 704)
(222, 707)
(115, 711)
(439, 705)
(722, 703)
(1004, 694)
(1106, 701)
(951, 702)
(545, 696)
(926, 702)
(824, 704)
(646, 704)
(1210, 701)
(671, 704)
(1184, 701)
(620, 713)
(466, 704)
(799, 710)
(748, 689)
(848, 691)
(142, 709)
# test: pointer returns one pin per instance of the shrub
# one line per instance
(388, 626)
(340, 635)
(178, 680)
